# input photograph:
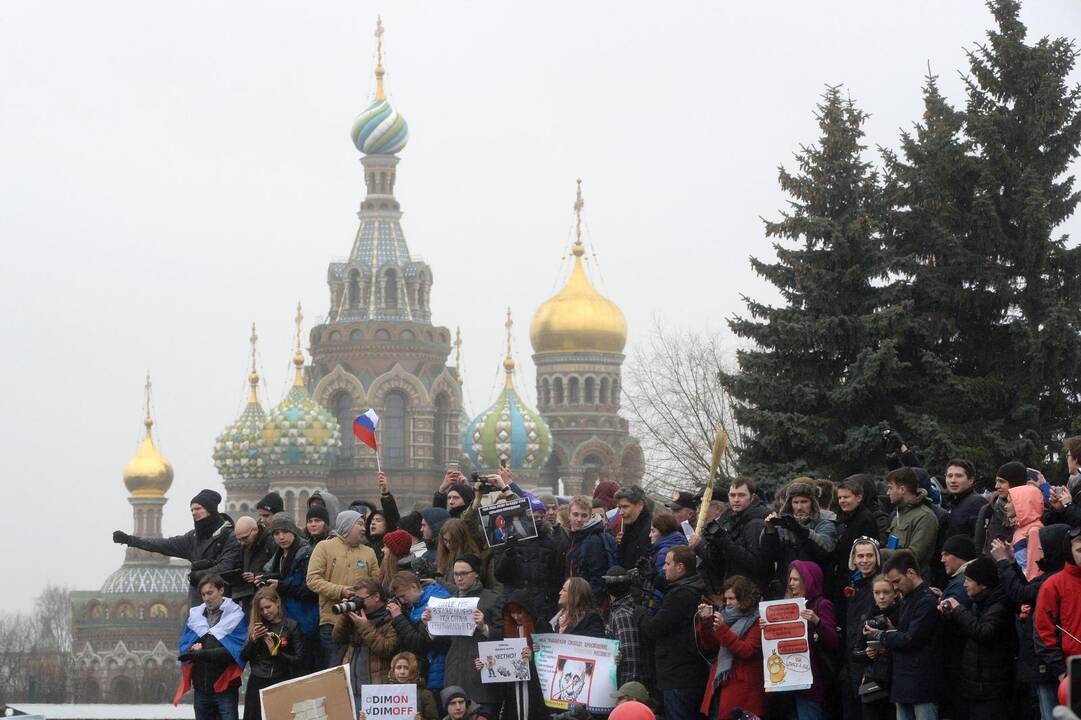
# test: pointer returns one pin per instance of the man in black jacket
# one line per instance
(961, 500)
(732, 544)
(210, 546)
(635, 519)
(680, 670)
(917, 663)
(257, 547)
(587, 556)
(533, 565)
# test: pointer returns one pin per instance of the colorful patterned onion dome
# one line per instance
(578, 318)
(148, 474)
(299, 430)
(509, 430)
(380, 130)
(238, 451)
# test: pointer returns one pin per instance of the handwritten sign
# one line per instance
(786, 654)
(506, 520)
(452, 616)
(576, 669)
(389, 701)
(503, 661)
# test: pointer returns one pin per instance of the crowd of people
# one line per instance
(924, 599)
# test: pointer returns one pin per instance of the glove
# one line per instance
(188, 656)
(875, 635)
(800, 530)
(121, 538)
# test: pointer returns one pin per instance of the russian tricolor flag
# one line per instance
(364, 428)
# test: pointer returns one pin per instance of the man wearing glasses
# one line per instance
(462, 651)
(368, 636)
(255, 542)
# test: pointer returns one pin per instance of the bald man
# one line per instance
(256, 543)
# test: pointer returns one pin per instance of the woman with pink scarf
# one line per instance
(1024, 510)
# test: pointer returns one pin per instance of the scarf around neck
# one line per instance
(740, 622)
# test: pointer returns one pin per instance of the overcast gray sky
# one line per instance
(173, 172)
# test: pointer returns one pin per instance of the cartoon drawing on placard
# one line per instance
(572, 680)
(776, 668)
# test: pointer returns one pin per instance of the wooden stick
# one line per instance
(719, 444)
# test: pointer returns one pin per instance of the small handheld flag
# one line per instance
(364, 428)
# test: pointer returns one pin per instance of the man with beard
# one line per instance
(801, 531)
(210, 547)
(732, 543)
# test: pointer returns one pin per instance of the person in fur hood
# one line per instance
(800, 531)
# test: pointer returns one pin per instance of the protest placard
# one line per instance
(324, 695)
(452, 616)
(503, 661)
(380, 702)
(576, 669)
(786, 650)
(506, 520)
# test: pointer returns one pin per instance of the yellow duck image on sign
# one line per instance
(775, 665)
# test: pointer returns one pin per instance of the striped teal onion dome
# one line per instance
(380, 130)
(508, 430)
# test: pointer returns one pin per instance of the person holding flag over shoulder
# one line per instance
(210, 646)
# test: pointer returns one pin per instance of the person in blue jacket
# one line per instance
(665, 534)
(287, 572)
(410, 599)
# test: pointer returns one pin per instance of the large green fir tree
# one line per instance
(992, 293)
(815, 390)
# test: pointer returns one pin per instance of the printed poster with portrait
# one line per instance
(576, 669)
(506, 520)
(786, 650)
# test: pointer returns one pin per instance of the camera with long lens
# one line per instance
(347, 606)
(891, 441)
(423, 569)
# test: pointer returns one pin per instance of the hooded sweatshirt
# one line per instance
(825, 636)
(1027, 503)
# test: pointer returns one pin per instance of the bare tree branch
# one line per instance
(678, 405)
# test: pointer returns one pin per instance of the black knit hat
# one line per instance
(960, 546)
(1013, 472)
(473, 561)
(411, 524)
(464, 490)
(318, 511)
(271, 502)
(983, 571)
(208, 500)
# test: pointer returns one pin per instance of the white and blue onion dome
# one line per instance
(299, 430)
(380, 129)
(239, 449)
(509, 430)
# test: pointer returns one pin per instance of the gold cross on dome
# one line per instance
(578, 205)
(253, 339)
(300, 321)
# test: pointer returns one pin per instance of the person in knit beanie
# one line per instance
(268, 507)
(317, 524)
(398, 542)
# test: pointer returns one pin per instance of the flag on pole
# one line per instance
(364, 428)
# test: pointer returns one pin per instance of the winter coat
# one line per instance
(815, 544)
(254, 560)
(850, 527)
(964, 509)
(914, 527)
(287, 663)
(659, 550)
(587, 557)
(858, 607)
(212, 541)
(635, 542)
(532, 689)
(677, 662)
(334, 566)
(990, 525)
(413, 637)
(1059, 603)
(378, 636)
(300, 603)
(861, 666)
(1069, 515)
(591, 625)
(915, 646)
(1023, 594)
(825, 636)
(744, 687)
(531, 565)
(635, 652)
(986, 671)
(463, 650)
(733, 546)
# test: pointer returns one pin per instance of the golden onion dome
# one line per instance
(578, 318)
(148, 474)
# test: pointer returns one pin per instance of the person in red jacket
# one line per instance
(735, 678)
(1058, 610)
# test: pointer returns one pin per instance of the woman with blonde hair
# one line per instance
(273, 650)
(577, 615)
(405, 670)
(453, 542)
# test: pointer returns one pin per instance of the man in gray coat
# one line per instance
(210, 546)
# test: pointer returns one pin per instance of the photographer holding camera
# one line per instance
(257, 547)
(624, 614)
(732, 544)
(800, 531)
(364, 625)
(406, 608)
